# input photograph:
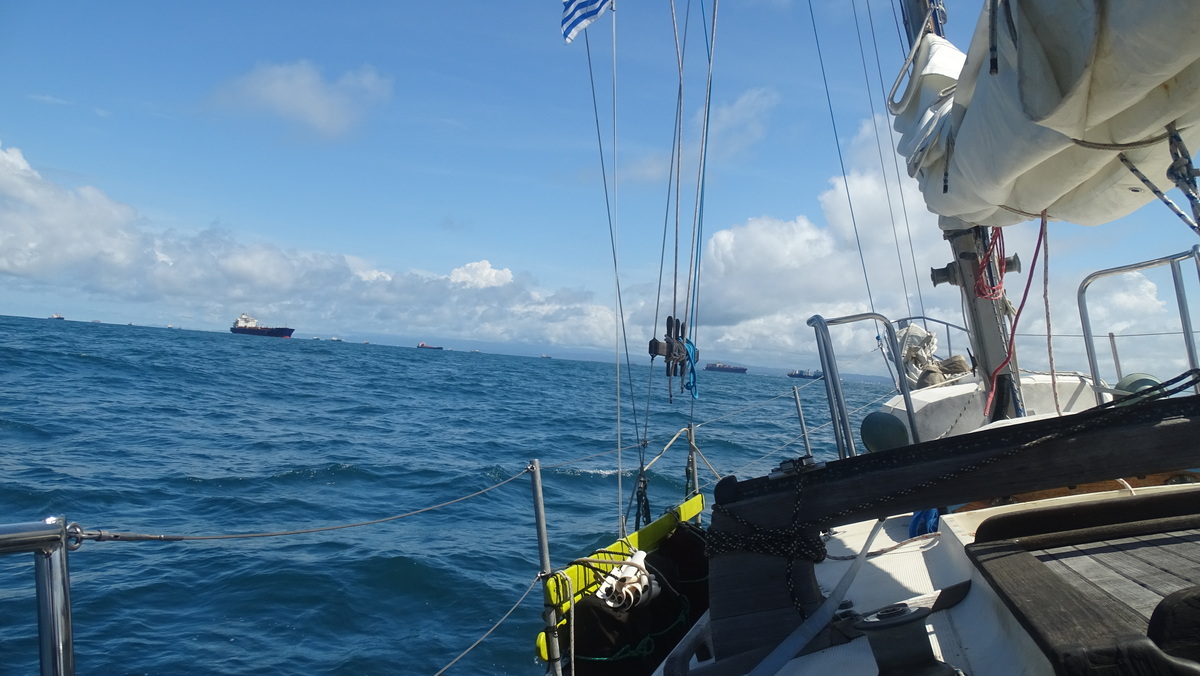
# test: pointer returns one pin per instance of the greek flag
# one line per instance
(577, 14)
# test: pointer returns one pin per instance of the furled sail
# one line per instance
(1077, 84)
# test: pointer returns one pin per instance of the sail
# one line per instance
(1077, 83)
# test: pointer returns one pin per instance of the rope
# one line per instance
(1181, 171)
(1159, 193)
(106, 536)
(806, 632)
(489, 631)
(1132, 145)
(745, 408)
(1045, 235)
(885, 550)
(1012, 337)
(796, 542)
(995, 251)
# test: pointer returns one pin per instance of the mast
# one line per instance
(986, 318)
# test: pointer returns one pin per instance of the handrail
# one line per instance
(838, 413)
(48, 542)
(905, 321)
(1185, 318)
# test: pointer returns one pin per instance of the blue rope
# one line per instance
(691, 360)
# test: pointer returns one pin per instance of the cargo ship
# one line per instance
(726, 368)
(807, 374)
(249, 326)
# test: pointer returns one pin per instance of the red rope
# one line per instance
(995, 250)
(1012, 336)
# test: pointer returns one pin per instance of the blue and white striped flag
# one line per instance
(577, 14)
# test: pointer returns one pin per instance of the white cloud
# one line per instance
(62, 240)
(734, 127)
(480, 275)
(299, 92)
(763, 278)
(52, 100)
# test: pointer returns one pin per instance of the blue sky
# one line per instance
(429, 171)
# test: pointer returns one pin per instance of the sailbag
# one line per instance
(1076, 84)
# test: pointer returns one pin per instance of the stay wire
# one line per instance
(493, 629)
(710, 34)
(673, 187)
(105, 536)
(610, 205)
(887, 188)
(912, 254)
(841, 159)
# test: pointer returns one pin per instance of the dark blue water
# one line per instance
(162, 431)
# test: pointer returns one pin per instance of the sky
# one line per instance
(430, 171)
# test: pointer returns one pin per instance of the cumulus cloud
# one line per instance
(764, 277)
(64, 240)
(300, 92)
(480, 275)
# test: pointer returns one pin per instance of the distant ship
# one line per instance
(807, 374)
(427, 347)
(726, 368)
(249, 326)
(57, 316)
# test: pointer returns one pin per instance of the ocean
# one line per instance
(176, 432)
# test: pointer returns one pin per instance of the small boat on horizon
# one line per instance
(249, 326)
(57, 316)
(423, 346)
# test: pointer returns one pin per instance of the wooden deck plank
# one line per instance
(1137, 571)
(1176, 551)
(1149, 575)
(1092, 575)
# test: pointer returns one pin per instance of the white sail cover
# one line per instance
(987, 147)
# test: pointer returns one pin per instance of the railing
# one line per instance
(1185, 318)
(48, 541)
(930, 320)
(839, 414)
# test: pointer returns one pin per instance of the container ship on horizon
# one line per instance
(725, 368)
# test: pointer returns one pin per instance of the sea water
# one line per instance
(175, 432)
